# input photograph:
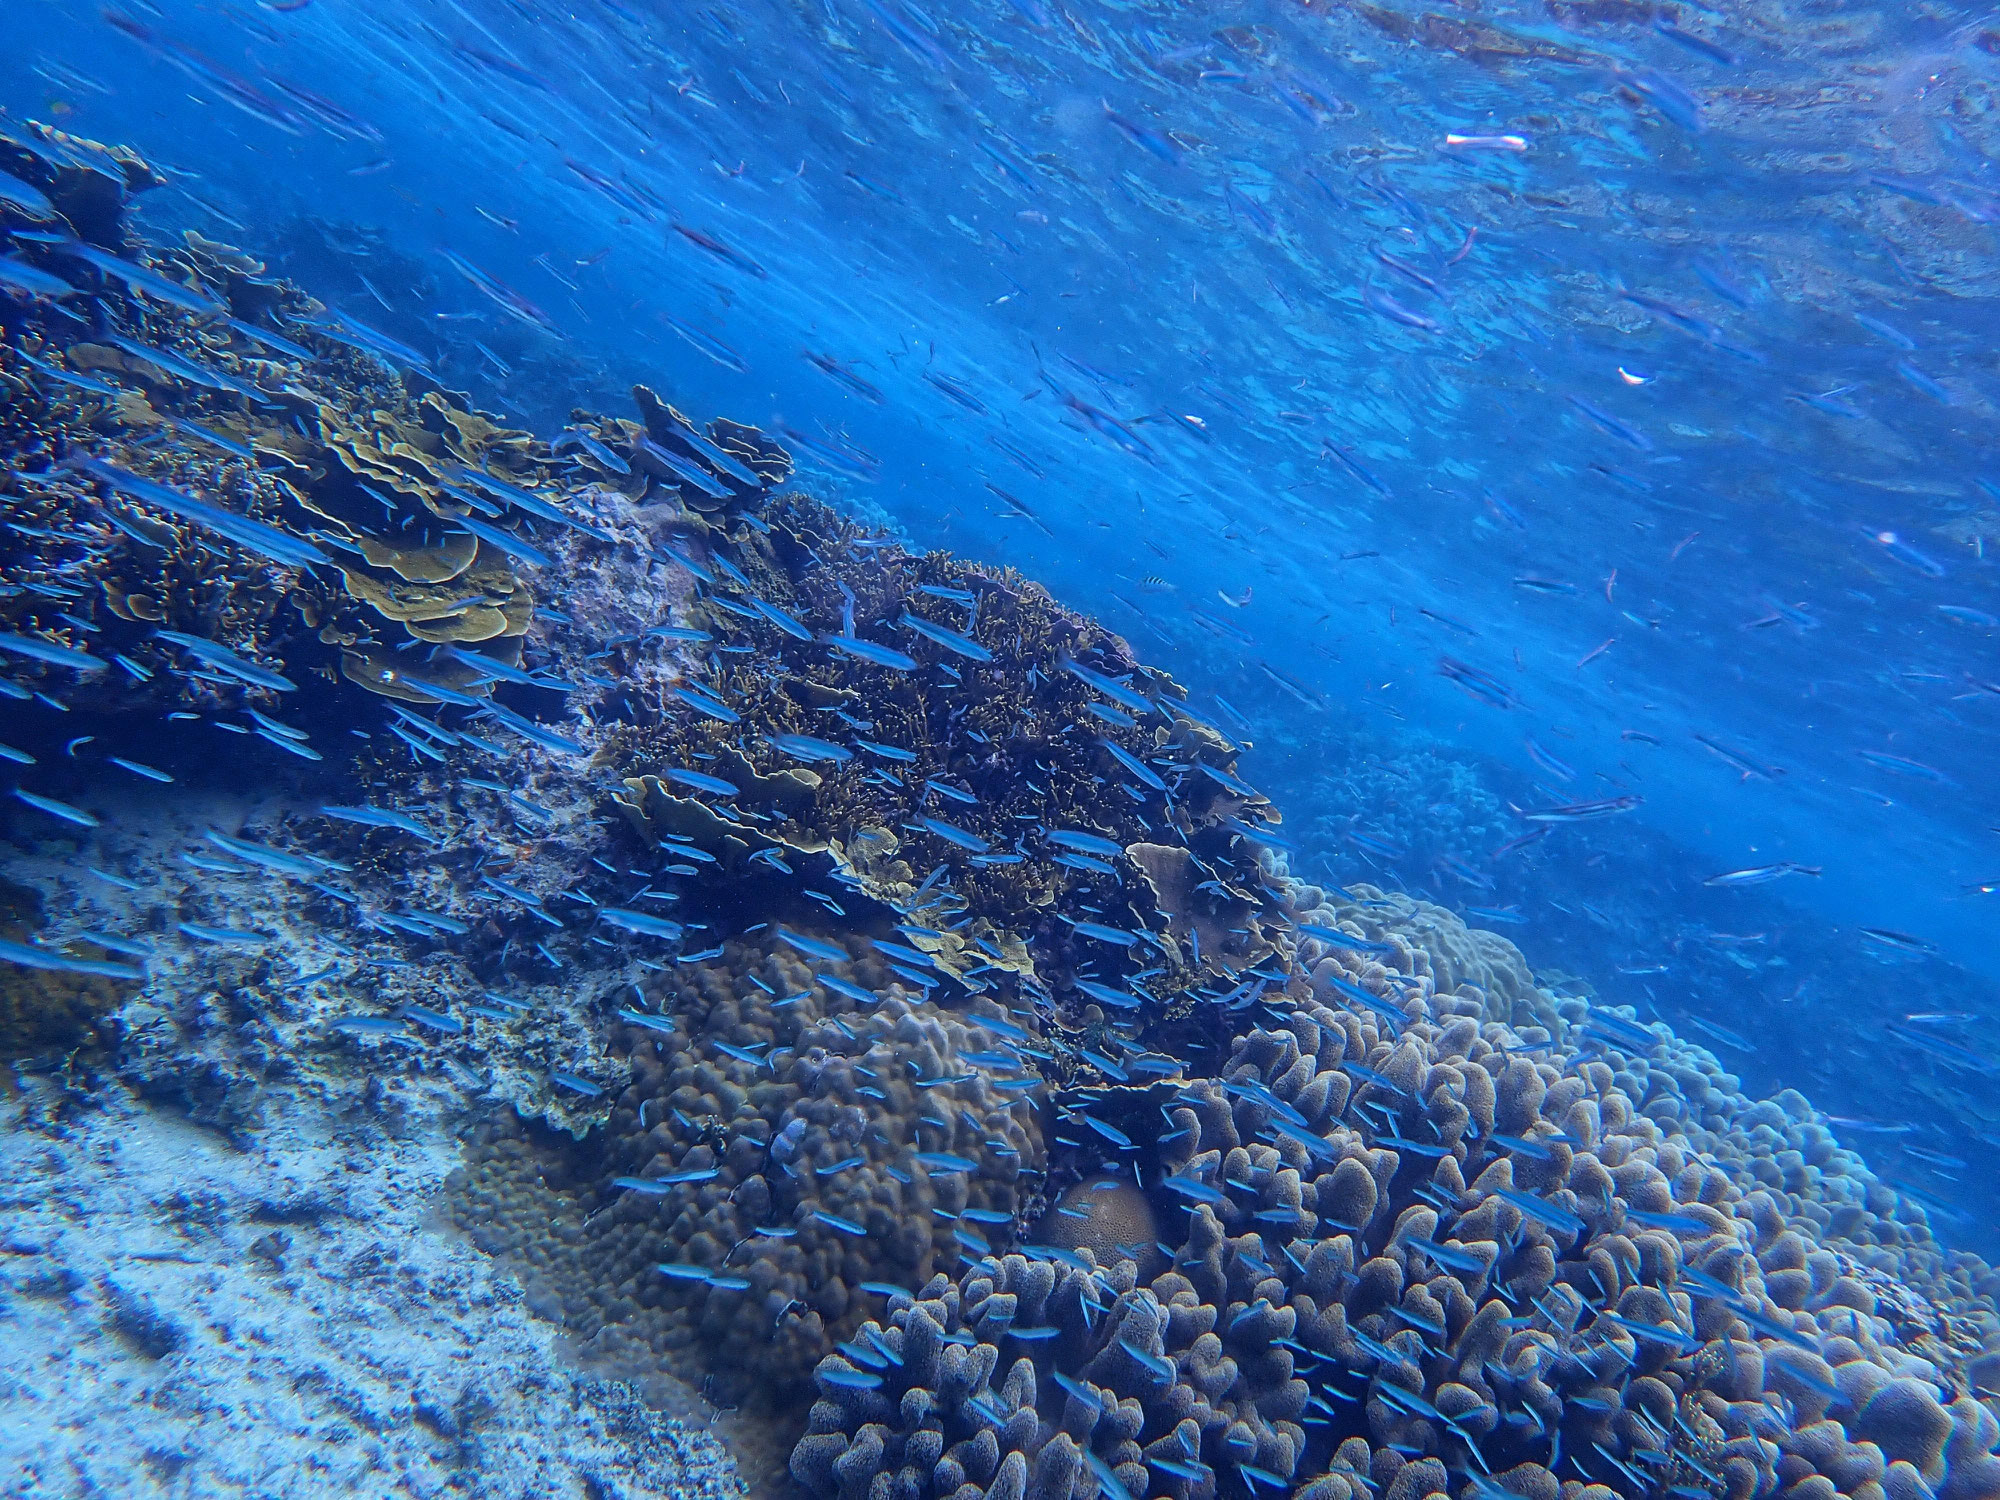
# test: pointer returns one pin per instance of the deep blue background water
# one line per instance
(1671, 425)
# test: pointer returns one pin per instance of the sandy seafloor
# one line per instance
(221, 1279)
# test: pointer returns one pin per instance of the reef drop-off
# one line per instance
(866, 990)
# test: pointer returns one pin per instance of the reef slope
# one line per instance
(865, 990)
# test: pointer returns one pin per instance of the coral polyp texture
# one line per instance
(1438, 1258)
(780, 1152)
(929, 1043)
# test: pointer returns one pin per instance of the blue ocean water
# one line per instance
(1550, 436)
(1630, 447)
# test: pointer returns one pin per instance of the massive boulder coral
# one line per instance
(787, 1143)
(1429, 944)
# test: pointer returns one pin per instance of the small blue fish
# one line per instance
(951, 833)
(1333, 937)
(1085, 863)
(1116, 691)
(1111, 1133)
(651, 1187)
(1082, 1392)
(56, 809)
(503, 540)
(1451, 1258)
(848, 1378)
(1228, 781)
(808, 748)
(590, 444)
(845, 987)
(115, 943)
(639, 922)
(432, 1020)
(779, 618)
(1084, 843)
(702, 703)
(1675, 1223)
(139, 279)
(30, 200)
(691, 1175)
(271, 859)
(1535, 1208)
(887, 752)
(373, 1026)
(682, 469)
(233, 937)
(267, 541)
(1193, 1188)
(34, 281)
(1144, 773)
(29, 956)
(813, 947)
(376, 817)
(647, 1022)
(222, 659)
(874, 655)
(1521, 1146)
(951, 640)
(1104, 934)
(51, 652)
(1105, 995)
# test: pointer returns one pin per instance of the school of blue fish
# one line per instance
(1547, 440)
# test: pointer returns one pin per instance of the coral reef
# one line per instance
(1425, 811)
(991, 758)
(1415, 1258)
(781, 1146)
(923, 1018)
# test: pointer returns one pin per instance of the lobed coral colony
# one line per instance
(935, 1046)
